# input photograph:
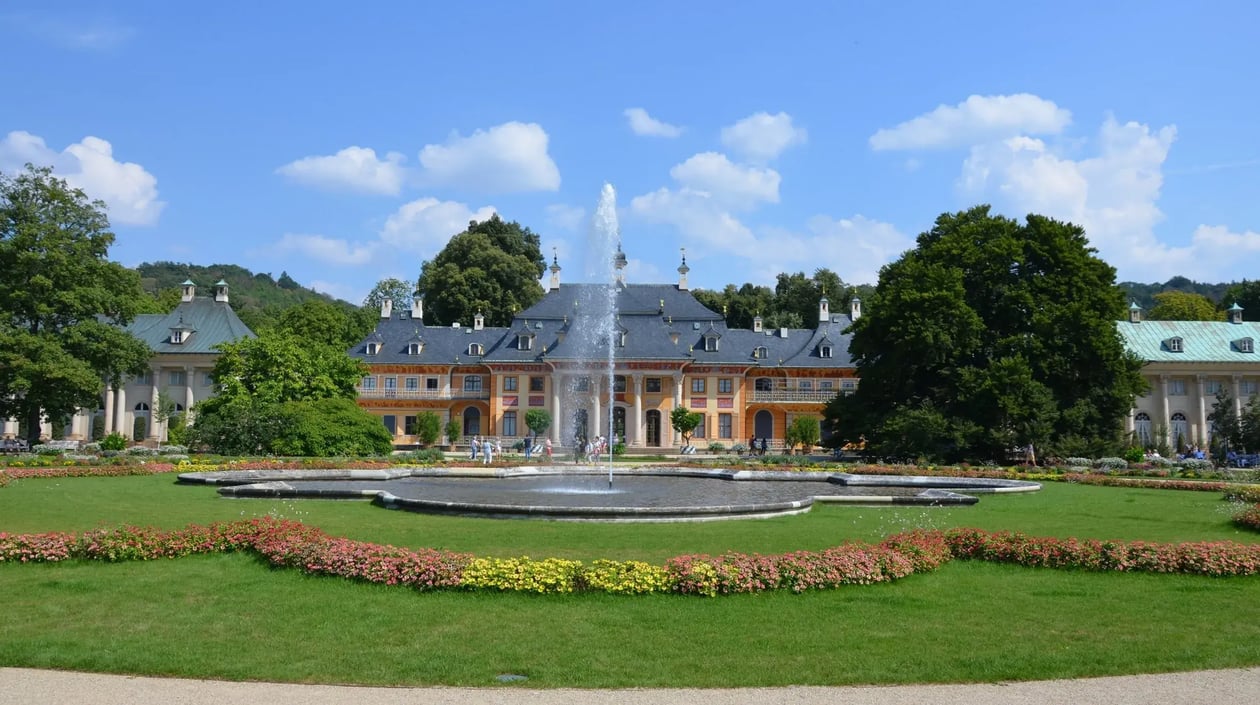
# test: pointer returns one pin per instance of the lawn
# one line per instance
(230, 616)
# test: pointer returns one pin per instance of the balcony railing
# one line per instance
(421, 394)
(800, 395)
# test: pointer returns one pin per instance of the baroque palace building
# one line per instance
(1186, 364)
(183, 344)
(667, 351)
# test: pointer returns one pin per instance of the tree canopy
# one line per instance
(990, 335)
(1183, 306)
(491, 268)
(62, 303)
(793, 303)
(1247, 295)
(396, 290)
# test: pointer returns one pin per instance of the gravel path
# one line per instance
(34, 687)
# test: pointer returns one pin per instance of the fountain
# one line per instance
(568, 493)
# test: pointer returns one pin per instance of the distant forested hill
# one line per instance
(257, 298)
(1144, 294)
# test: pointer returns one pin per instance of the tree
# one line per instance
(1225, 425)
(1249, 426)
(684, 422)
(1247, 295)
(492, 268)
(325, 323)
(1182, 306)
(990, 335)
(329, 428)
(55, 280)
(428, 427)
(396, 290)
(538, 421)
(803, 431)
(278, 367)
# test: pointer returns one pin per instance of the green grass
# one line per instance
(232, 617)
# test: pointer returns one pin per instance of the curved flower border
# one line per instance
(291, 544)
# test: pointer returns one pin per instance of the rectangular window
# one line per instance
(1176, 387)
(369, 383)
(619, 384)
(431, 384)
(848, 384)
(509, 384)
(207, 379)
(1248, 388)
(391, 386)
(725, 385)
(1212, 387)
(582, 384)
(472, 383)
(805, 384)
(652, 385)
(413, 384)
(391, 424)
(699, 432)
(509, 423)
(724, 425)
(826, 385)
(409, 425)
(537, 384)
(177, 378)
(697, 385)
(146, 378)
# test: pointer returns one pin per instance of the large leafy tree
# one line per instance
(1247, 295)
(1184, 306)
(396, 290)
(325, 323)
(62, 303)
(991, 334)
(492, 268)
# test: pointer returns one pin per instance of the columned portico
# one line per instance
(1166, 417)
(557, 383)
(109, 409)
(636, 421)
(155, 433)
(678, 379)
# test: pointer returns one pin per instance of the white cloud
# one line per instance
(976, 119)
(127, 189)
(645, 125)
(327, 249)
(511, 157)
(97, 35)
(425, 225)
(352, 169)
(340, 290)
(699, 219)
(855, 248)
(762, 137)
(565, 217)
(732, 185)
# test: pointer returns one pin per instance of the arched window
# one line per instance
(1180, 431)
(760, 352)
(475, 349)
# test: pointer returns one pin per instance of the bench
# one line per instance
(14, 445)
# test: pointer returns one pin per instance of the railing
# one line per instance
(806, 395)
(420, 394)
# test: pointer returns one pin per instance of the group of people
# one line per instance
(532, 445)
(586, 450)
(758, 446)
(484, 447)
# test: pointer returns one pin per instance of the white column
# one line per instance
(636, 425)
(10, 428)
(109, 409)
(154, 432)
(678, 382)
(122, 418)
(190, 374)
(1238, 396)
(556, 416)
(596, 426)
(1203, 419)
(1163, 395)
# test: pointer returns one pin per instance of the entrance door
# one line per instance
(472, 421)
(581, 428)
(654, 428)
(763, 424)
(1180, 432)
(619, 424)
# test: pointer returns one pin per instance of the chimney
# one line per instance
(1235, 313)
(479, 321)
(824, 310)
(855, 308)
(417, 308)
(221, 292)
(756, 324)
(555, 271)
(189, 291)
(387, 308)
(682, 271)
(1135, 313)
(783, 332)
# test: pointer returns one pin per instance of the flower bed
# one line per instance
(291, 544)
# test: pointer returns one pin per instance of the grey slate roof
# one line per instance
(649, 316)
(208, 321)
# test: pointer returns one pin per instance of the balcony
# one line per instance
(819, 396)
(453, 394)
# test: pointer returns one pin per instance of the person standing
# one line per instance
(472, 448)
(487, 452)
(529, 446)
(547, 448)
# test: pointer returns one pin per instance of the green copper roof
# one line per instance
(1200, 341)
(209, 321)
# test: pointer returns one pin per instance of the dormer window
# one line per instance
(760, 352)
(1245, 345)
(1176, 345)
(177, 337)
(524, 342)
(373, 348)
(824, 351)
(414, 348)
(621, 339)
(475, 349)
(710, 343)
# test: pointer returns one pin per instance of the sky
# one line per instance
(344, 143)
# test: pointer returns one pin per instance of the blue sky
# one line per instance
(346, 142)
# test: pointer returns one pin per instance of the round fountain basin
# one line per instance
(645, 495)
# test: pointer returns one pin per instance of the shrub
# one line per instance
(172, 450)
(43, 449)
(1195, 465)
(93, 447)
(425, 456)
(452, 430)
(716, 447)
(1111, 464)
(1243, 493)
(739, 448)
(329, 428)
(143, 451)
(428, 427)
(114, 441)
(1133, 454)
(1078, 462)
